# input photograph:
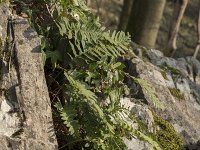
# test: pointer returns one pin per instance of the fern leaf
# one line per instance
(68, 115)
(90, 99)
(146, 87)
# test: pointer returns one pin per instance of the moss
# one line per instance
(164, 74)
(172, 70)
(141, 126)
(176, 93)
(4, 1)
(166, 136)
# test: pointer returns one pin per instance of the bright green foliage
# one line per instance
(96, 92)
(98, 126)
(92, 80)
(68, 113)
(89, 39)
(176, 93)
(166, 136)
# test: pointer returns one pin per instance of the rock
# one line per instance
(183, 85)
(6, 106)
(25, 115)
(175, 88)
(145, 115)
(10, 124)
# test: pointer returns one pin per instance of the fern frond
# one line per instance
(148, 139)
(91, 99)
(68, 114)
(89, 41)
(151, 93)
(126, 125)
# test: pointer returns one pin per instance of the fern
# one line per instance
(126, 125)
(89, 98)
(75, 44)
(150, 92)
(91, 42)
(68, 115)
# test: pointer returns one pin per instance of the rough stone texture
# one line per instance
(143, 114)
(136, 144)
(182, 113)
(25, 111)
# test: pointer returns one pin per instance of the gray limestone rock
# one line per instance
(182, 109)
(25, 111)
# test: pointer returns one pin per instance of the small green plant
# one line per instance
(175, 73)
(176, 93)
(164, 74)
(165, 135)
(150, 92)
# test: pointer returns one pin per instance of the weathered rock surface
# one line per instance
(176, 85)
(25, 111)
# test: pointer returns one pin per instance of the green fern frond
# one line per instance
(148, 139)
(68, 114)
(91, 99)
(74, 31)
(126, 125)
(89, 41)
(151, 93)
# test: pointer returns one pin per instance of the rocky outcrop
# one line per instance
(25, 111)
(176, 85)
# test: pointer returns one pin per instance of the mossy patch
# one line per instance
(172, 70)
(4, 1)
(164, 74)
(166, 136)
(176, 93)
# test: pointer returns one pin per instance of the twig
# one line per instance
(198, 43)
(179, 9)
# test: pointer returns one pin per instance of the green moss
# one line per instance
(166, 136)
(172, 70)
(164, 74)
(4, 1)
(176, 93)
(141, 126)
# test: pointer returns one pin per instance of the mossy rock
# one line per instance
(166, 136)
(176, 93)
(172, 70)
(164, 74)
